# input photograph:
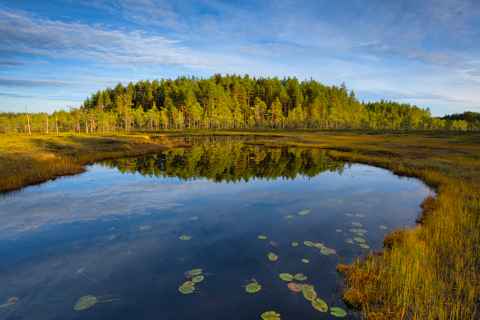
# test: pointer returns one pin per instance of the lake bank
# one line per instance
(429, 272)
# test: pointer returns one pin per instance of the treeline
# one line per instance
(229, 102)
(472, 119)
(230, 161)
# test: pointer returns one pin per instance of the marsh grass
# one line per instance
(427, 272)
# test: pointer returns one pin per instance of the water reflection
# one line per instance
(120, 241)
(230, 162)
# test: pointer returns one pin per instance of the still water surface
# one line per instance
(113, 233)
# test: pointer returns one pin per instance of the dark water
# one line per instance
(113, 232)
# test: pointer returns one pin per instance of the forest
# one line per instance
(231, 102)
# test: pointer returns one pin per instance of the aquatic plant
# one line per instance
(198, 279)
(338, 312)
(320, 305)
(184, 237)
(193, 273)
(187, 287)
(295, 244)
(262, 237)
(359, 239)
(308, 243)
(309, 292)
(286, 276)
(270, 315)
(253, 287)
(85, 302)
(357, 224)
(272, 256)
(295, 287)
(304, 212)
(300, 277)
(304, 260)
(10, 302)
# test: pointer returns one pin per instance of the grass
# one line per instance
(427, 272)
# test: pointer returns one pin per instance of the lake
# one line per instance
(118, 241)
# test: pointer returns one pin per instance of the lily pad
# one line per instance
(198, 279)
(304, 212)
(364, 246)
(184, 237)
(357, 224)
(272, 256)
(308, 243)
(289, 216)
(193, 273)
(338, 312)
(270, 315)
(300, 277)
(309, 292)
(305, 260)
(359, 240)
(295, 287)
(320, 305)
(295, 244)
(85, 302)
(350, 241)
(327, 251)
(383, 227)
(262, 237)
(253, 287)
(10, 302)
(286, 277)
(187, 288)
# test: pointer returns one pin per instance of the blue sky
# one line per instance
(55, 53)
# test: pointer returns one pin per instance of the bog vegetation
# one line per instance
(231, 102)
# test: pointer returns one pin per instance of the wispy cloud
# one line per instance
(25, 34)
(23, 83)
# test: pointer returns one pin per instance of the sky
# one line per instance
(55, 53)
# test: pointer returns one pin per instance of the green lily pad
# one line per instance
(270, 315)
(184, 237)
(295, 244)
(320, 305)
(286, 277)
(305, 260)
(300, 277)
(364, 246)
(357, 224)
(253, 287)
(85, 302)
(338, 312)
(308, 243)
(187, 288)
(193, 273)
(304, 212)
(289, 216)
(327, 251)
(198, 279)
(272, 256)
(262, 237)
(359, 240)
(383, 227)
(309, 292)
(350, 241)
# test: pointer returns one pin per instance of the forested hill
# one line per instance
(226, 102)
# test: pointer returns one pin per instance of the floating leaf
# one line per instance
(193, 273)
(289, 216)
(305, 260)
(357, 224)
(286, 277)
(10, 302)
(309, 292)
(358, 231)
(308, 243)
(360, 215)
(359, 239)
(364, 246)
(270, 315)
(272, 256)
(253, 287)
(349, 240)
(184, 237)
(262, 237)
(320, 305)
(198, 279)
(187, 287)
(383, 227)
(300, 277)
(295, 244)
(295, 287)
(338, 312)
(85, 302)
(327, 251)
(304, 212)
